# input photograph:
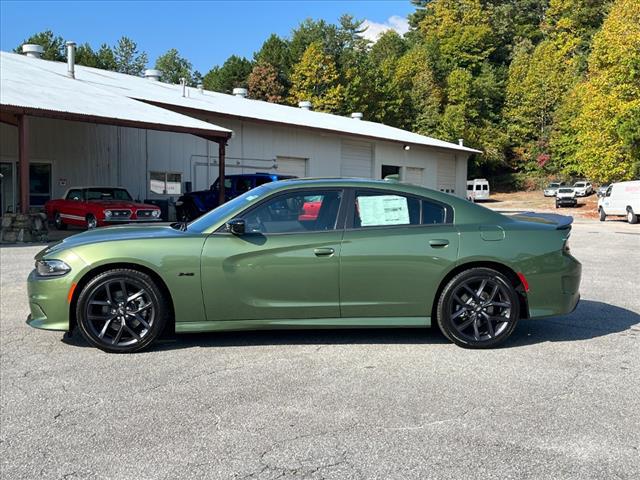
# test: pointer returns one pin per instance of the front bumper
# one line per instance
(566, 201)
(48, 302)
(131, 220)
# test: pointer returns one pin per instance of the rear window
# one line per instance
(566, 190)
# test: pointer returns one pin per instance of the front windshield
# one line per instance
(107, 194)
(200, 224)
(554, 185)
(579, 184)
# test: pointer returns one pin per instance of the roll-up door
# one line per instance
(292, 166)
(447, 175)
(356, 159)
(413, 175)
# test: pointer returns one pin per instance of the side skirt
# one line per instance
(303, 323)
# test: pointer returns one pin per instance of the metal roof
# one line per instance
(42, 88)
(171, 96)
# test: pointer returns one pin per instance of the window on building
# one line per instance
(165, 183)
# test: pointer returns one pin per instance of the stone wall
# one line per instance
(23, 228)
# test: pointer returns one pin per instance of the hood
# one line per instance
(114, 234)
(123, 204)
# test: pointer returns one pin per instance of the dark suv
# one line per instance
(193, 204)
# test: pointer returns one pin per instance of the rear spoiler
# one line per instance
(562, 222)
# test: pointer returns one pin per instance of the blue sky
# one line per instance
(206, 32)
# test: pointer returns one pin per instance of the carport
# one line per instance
(58, 93)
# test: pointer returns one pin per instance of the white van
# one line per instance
(478, 189)
(621, 199)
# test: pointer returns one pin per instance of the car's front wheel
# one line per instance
(478, 308)
(91, 222)
(121, 311)
(603, 216)
(58, 222)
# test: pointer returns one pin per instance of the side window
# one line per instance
(75, 194)
(296, 212)
(262, 180)
(377, 209)
(243, 185)
(433, 213)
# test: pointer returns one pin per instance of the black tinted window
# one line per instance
(296, 212)
(75, 194)
(433, 213)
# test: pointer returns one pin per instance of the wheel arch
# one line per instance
(500, 267)
(169, 328)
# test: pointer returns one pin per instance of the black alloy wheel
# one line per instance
(121, 310)
(479, 308)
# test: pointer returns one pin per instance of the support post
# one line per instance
(221, 154)
(23, 160)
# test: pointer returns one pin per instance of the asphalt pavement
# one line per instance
(560, 400)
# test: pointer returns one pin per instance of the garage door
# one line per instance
(413, 175)
(292, 166)
(447, 175)
(356, 159)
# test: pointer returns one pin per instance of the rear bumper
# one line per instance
(555, 293)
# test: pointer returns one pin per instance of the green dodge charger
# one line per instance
(312, 253)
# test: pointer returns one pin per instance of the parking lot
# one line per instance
(560, 400)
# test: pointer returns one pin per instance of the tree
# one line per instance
(54, 45)
(275, 52)
(233, 73)
(105, 58)
(128, 59)
(608, 124)
(315, 78)
(86, 56)
(174, 67)
(264, 84)
(311, 31)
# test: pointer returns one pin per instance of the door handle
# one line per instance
(438, 242)
(323, 252)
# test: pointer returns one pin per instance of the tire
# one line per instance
(58, 222)
(557, 205)
(110, 322)
(472, 320)
(91, 222)
(603, 216)
(631, 217)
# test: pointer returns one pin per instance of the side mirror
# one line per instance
(236, 226)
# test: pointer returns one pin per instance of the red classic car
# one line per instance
(92, 207)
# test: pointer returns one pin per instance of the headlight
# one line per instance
(52, 268)
(155, 213)
(107, 213)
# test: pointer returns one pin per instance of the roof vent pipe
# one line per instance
(240, 92)
(201, 88)
(32, 51)
(461, 142)
(183, 83)
(71, 59)
(305, 105)
(356, 115)
(153, 75)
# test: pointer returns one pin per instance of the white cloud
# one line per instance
(374, 29)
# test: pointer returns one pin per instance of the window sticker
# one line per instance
(383, 210)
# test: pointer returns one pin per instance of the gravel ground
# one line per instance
(560, 400)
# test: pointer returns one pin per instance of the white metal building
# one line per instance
(103, 128)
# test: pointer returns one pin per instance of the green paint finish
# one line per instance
(385, 276)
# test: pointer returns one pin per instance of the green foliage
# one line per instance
(127, 57)
(174, 67)
(608, 123)
(54, 45)
(232, 74)
(315, 78)
(275, 52)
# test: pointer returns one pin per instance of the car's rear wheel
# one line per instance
(58, 222)
(631, 217)
(478, 308)
(121, 311)
(603, 216)
(91, 222)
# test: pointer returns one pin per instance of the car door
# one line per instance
(395, 250)
(283, 267)
(74, 207)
